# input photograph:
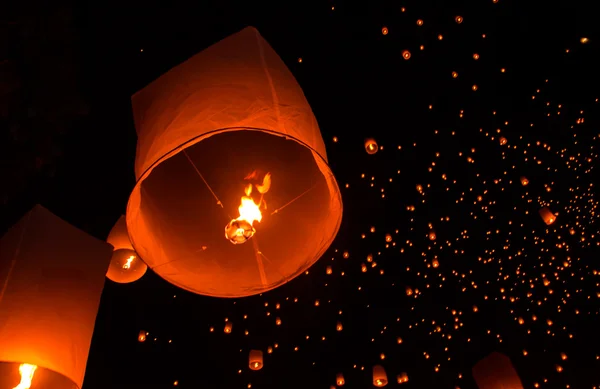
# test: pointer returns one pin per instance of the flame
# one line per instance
(127, 265)
(241, 229)
(26, 371)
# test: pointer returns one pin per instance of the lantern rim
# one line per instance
(199, 138)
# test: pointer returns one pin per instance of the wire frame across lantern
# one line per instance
(234, 194)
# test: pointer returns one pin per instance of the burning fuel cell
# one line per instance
(241, 229)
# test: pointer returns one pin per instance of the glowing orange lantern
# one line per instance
(339, 326)
(402, 378)
(406, 54)
(142, 336)
(432, 235)
(524, 181)
(371, 146)
(547, 216)
(328, 270)
(339, 379)
(256, 360)
(496, 371)
(227, 138)
(125, 266)
(379, 376)
(503, 141)
(228, 327)
(52, 275)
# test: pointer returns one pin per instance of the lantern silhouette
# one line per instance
(125, 265)
(379, 376)
(210, 132)
(547, 216)
(52, 275)
(339, 379)
(402, 378)
(496, 372)
(255, 360)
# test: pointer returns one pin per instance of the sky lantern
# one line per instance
(339, 379)
(496, 372)
(371, 146)
(125, 265)
(379, 376)
(547, 216)
(524, 181)
(52, 275)
(255, 360)
(503, 141)
(142, 335)
(234, 195)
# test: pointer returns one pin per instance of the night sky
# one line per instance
(442, 256)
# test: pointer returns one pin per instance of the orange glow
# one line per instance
(547, 215)
(371, 146)
(256, 360)
(142, 336)
(379, 376)
(27, 372)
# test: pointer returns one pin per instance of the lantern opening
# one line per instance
(16, 375)
(178, 208)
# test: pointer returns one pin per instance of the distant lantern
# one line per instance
(409, 291)
(496, 371)
(142, 336)
(125, 266)
(220, 137)
(503, 141)
(379, 376)
(339, 326)
(402, 378)
(435, 263)
(458, 19)
(228, 327)
(371, 146)
(454, 74)
(52, 275)
(339, 379)
(384, 30)
(432, 235)
(388, 238)
(419, 22)
(256, 360)
(278, 321)
(547, 215)
(406, 54)
(524, 181)
(328, 270)
(572, 231)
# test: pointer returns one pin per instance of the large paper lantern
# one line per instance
(234, 195)
(51, 279)
(496, 372)
(125, 265)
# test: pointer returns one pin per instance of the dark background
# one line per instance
(67, 71)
